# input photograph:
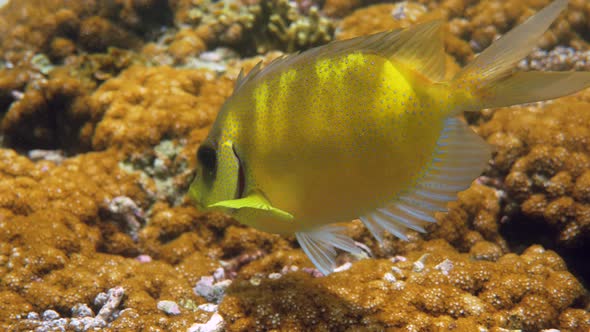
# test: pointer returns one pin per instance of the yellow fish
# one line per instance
(363, 128)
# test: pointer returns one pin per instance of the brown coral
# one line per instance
(76, 226)
(435, 288)
(44, 117)
(340, 8)
(145, 105)
(55, 218)
(97, 33)
(49, 106)
(545, 168)
(34, 26)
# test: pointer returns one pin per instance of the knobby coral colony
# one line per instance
(260, 26)
(98, 143)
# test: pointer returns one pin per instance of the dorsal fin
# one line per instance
(259, 71)
(420, 48)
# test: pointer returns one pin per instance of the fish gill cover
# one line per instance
(104, 104)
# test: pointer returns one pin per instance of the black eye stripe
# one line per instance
(241, 176)
(207, 156)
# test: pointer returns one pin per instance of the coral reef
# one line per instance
(47, 107)
(61, 27)
(257, 26)
(104, 103)
(433, 287)
(558, 59)
(340, 8)
(143, 106)
(543, 173)
(56, 220)
(44, 116)
(83, 318)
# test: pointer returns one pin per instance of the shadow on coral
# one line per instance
(522, 232)
(295, 301)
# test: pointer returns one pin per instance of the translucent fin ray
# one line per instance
(320, 244)
(449, 173)
(374, 228)
(421, 48)
(382, 224)
(526, 87)
(403, 218)
(501, 57)
(492, 75)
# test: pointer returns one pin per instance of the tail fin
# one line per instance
(491, 73)
(527, 87)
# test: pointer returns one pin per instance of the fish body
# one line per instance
(343, 134)
(365, 128)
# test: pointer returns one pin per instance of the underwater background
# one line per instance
(103, 105)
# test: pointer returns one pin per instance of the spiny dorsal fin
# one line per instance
(259, 71)
(420, 48)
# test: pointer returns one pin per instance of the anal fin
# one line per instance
(320, 246)
(460, 157)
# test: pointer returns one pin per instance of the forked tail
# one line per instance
(490, 79)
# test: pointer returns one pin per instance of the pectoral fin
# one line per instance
(254, 201)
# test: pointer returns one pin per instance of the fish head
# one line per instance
(218, 175)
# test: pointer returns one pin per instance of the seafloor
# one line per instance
(104, 103)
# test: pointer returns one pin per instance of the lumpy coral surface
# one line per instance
(103, 105)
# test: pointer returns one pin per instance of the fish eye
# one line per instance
(207, 156)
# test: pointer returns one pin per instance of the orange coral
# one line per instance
(44, 116)
(74, 228)
(545, 168)
(34, 26)
(435, 288)
(373, 19)
(145, 105)
(54, 219)
(340, 8)
(186, 44)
